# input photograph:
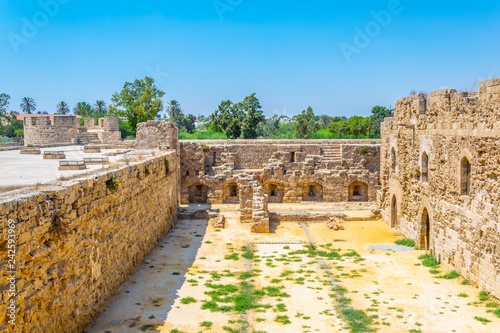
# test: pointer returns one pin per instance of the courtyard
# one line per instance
(302, 277)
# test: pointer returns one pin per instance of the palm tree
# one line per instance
(325, 120)
(83, 109)
(174, 110)
(100, 107)
(63, 107)
(28, 105)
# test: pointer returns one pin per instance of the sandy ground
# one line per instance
(167, 293)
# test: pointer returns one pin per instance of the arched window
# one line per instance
(465, 175)
(393, 160)
(425, 168)
(394, 212)
(233, 190)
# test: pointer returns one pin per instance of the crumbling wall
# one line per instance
(77, 244)
(65, 130)
(260, 210)
(428, 194)
(44, 131)
(157, 133)
(286, 169)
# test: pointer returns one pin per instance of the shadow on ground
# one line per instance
(149, 294)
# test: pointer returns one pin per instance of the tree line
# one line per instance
(141, 100)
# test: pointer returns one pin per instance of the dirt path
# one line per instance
(234, 281)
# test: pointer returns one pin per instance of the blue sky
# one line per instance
(288, 52)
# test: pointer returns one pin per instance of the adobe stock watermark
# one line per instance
(31, 27)
(224, 6)
(363, 37)
(157, 74)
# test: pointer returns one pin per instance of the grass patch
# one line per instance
(463, 295)
(356, 320)
(484, 296)
(429, 261)
(232, 256)
(451, 275)
(482, 320)
(149, 327)
(406, 242)
(206, 324)
(283, 320)
(247, 253)
(188, 300)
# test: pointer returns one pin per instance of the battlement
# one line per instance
(105, 123)
(451, 105)
(57, 130)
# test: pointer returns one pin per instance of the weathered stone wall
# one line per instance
(77, 244)
(288, 170)
(444, 204)
(43, 131)
(157, 133)
(260, 210)
(65, 130)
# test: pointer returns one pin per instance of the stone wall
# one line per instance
(65, 130)
(44, 131)
(288, 170)
(157, 133)
(440, 163)
(77, 244)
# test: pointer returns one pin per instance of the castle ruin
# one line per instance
(66, 130)
(440, 163)
(434, 174)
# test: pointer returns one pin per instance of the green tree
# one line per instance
(325, 120)
(83, 109)
(62, 108)
(4, 102)
(100, 107)
(271, 127)
(187, 123)
(253, 116)
(28, 105)
(339, 127)
(139, 101)
(9, 125)
(227, 118)
(357, 125)
(305, 124)
(379, 113)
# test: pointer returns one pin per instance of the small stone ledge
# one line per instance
(71, 165)
(30, 151)
(54, 155)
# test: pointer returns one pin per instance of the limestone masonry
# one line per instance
(434, 175)
(65, 130)
(288, 170)
(440, 163)
(78, 244)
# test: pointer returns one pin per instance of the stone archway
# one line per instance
(275, 192)
(358, 192)
(394, 212)
(231, 193)
(312, 192)
(198, 193)
(425, 231)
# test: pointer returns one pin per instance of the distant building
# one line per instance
(286, 120)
